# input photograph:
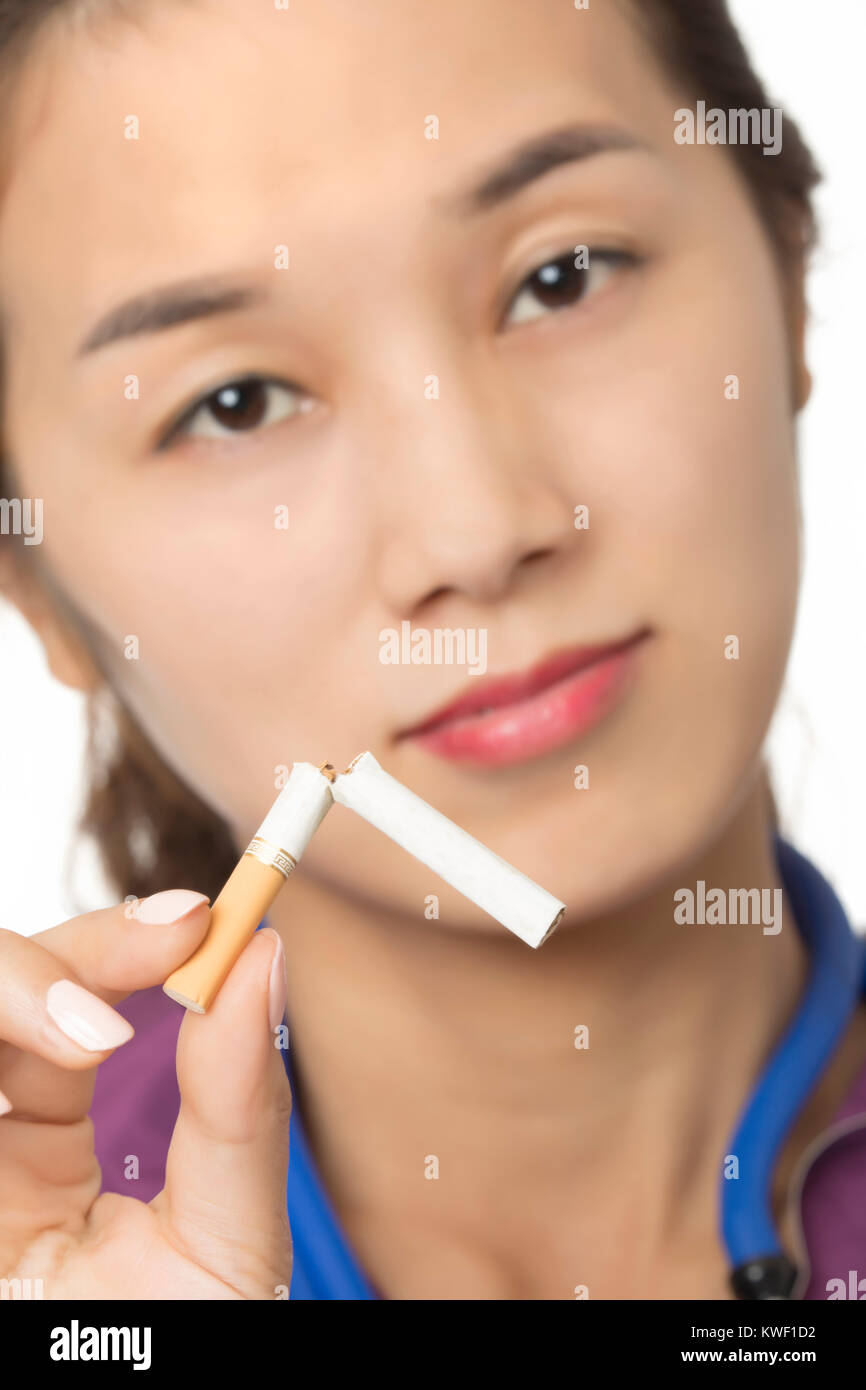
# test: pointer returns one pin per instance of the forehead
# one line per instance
(254, 123)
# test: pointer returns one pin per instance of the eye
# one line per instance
(243, 406)
(560, 283)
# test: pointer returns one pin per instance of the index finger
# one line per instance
(110, 953)
(115, 951)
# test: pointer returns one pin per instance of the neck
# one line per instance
(411, 1043)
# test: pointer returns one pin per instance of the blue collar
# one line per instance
(325, 1266)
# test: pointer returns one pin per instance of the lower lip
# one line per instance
(527, 728)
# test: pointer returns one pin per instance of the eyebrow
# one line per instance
(190, 300)
(158, 309)
(534, 158)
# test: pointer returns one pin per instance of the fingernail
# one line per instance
(86, 1019)
(160, 909)
(5, 1104)
(277, 994)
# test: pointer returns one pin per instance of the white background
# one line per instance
(811, 56)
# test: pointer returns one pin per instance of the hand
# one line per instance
(219, 1228)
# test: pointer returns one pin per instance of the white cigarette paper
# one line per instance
(294, 817)
(469, 866)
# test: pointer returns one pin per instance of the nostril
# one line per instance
(437, 593)
(536, 555)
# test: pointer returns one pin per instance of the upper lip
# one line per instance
(506, 690)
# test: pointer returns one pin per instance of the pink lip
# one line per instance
(529, 714)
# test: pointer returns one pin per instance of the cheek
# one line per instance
(214, 624)
(714, 524)
(677, 432)
(723, 511)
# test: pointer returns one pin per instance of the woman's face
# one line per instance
(434, 406)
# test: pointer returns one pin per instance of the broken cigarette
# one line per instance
(494, 885)
(253, 884)
(469, 866)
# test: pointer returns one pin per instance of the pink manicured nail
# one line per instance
(5, 1104)
(160, 909)
(277, 994)
(86, 1019)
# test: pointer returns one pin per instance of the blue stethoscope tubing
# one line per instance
(325, 1268)
(836, 980)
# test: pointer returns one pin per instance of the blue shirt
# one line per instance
(136, 1102)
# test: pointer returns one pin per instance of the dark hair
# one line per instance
(699, 44)
(152, 830)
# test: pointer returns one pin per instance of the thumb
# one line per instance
(224, 1198)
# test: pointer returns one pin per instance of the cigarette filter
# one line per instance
(469, 866)
(253, 884)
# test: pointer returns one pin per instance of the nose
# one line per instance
(464, 506)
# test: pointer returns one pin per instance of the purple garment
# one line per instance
(136, 1102)
(833, 1201)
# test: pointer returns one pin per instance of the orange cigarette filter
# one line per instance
(253, 884)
